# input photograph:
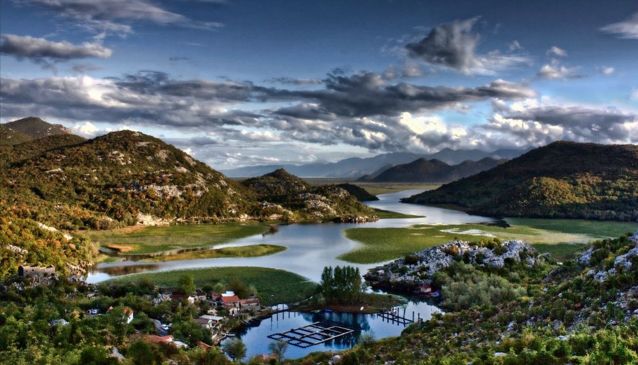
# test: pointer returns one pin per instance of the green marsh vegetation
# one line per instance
(562, 237)
(273, 286)
(237, 251)
(156, 239)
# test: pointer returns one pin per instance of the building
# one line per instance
(249, 304)
(208, 321)
(230, 300)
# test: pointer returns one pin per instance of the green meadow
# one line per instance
(238, 251)
(157, 239)
(273, 286)
(561, 238)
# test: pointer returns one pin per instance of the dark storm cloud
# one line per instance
(368, 94)
(454, 44)
(43, 51)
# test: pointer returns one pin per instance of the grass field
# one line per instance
(273, 286)
(240, 251)
(560, 251)
(156, 239)
(598, 229)
(381, 244)
(386, 214)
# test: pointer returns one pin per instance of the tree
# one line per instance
(278, 349)
(235, 348)
(341, 284)
(142, 354)
(187, 284)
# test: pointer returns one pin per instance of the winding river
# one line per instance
(310, 247)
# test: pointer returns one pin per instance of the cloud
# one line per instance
(114, 16)
(43, 51)
(626, 29)
(556, 52)
(556, 71)
(541, 124)
(369, 94)
(84, 68)
(86, 129)
(607, 70)
(361, 109)
(453, 45)
(294, 81)
(515, 46)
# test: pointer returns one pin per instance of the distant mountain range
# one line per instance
(560, 180)
(434, 171)
(354, 168)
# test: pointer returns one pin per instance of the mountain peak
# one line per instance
(36, 128)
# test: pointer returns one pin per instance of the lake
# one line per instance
(256, 337)
(318, 244)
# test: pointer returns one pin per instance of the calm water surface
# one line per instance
(256, 337)
(310, 247)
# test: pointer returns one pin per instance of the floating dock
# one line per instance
(311, 335)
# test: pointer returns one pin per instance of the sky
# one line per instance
(237, 83)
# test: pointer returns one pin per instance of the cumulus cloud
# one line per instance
(607, 70)
(540, 124)
(453, 45)
(114, 16)
(43, 51)
(361, 110)
(556, 71)
(556, 51)
(626, 29)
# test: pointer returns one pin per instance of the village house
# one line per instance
(249, 303)
(230, 300)
(208, 321)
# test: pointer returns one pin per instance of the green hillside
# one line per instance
(560, 180)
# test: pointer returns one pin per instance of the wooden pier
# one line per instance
(394, 316)
(311, 335)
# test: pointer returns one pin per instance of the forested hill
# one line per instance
(562, 179)
(125, 178)
(290, 197)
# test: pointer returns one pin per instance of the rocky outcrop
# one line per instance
(406, 274)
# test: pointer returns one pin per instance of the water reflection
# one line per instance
(256, 337)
